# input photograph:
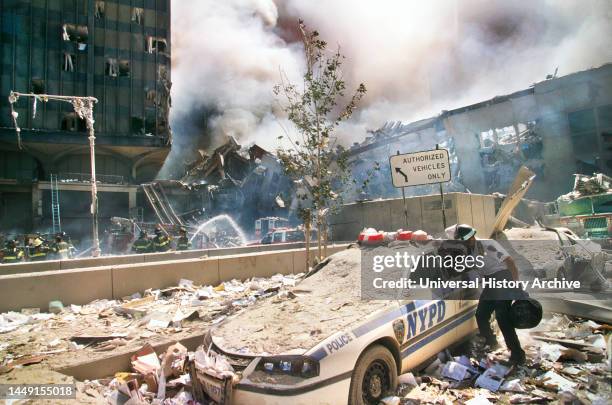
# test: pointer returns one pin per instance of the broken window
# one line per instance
(116, 67)
(124, 67)
(38, 86)
(69, 62)
(112, 69)
(151, 96)
(72, 122)
(99, 13)
(137, 125)
(155, 44)
(137, 15)
(488, 138)
(77, 34)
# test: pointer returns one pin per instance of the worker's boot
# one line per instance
(491, 344)
(518, 358)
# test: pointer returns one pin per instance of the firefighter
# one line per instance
(161, 242)
(142, 244)
(38, 250)
(11, 253)
(61, 249)
(183, 242)
(497, 265)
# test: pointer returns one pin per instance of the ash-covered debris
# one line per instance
(568, 362)
(84, 332)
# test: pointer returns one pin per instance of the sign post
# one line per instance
(405, 206)
(420, 168)
(442, 197)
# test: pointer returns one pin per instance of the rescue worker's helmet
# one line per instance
(464, 232)
(143, 234)
(183, 230)
(37, 242)
(158, 231)
(11, 244)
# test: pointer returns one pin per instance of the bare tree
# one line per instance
(316, 108)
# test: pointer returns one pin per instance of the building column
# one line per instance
(132, 198)
(37, 209)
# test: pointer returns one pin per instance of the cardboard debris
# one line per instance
(145, 360)
(552, 379)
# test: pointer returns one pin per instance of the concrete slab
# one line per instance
(238, 267)
(131, 278)
(29, 267)
(35, 290)
(100, 261)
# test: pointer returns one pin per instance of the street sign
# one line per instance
(418, 168)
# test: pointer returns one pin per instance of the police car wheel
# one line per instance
(374, 376)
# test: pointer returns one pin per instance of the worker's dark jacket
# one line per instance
(38, 254)
(183, 243)
(161, 243)
(62, 250)
(142, 245)
(12, 255)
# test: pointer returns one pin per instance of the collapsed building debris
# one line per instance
(567, 358)
(587, 209)
(246, 183)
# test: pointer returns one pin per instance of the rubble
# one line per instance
(85, 332)
(550, 375)
(569, 359)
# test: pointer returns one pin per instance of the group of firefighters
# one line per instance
(37, 249)
(161, 242)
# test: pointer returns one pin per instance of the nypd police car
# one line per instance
(357, 361)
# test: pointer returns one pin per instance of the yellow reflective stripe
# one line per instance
(38, 254)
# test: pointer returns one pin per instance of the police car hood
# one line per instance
(319, 306)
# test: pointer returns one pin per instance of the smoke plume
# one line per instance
(415, 57)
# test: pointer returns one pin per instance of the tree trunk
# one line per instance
(324, 238)
(319, 230)
(307, 240)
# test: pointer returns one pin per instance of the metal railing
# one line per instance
(86, 178)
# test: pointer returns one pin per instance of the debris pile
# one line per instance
(568, 361)
(72, 333)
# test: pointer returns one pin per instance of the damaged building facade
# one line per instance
(557, 127)
(116, 51)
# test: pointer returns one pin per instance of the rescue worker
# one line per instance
(497, 265)
(12, 254)
(61, 249)
(183, 243)
(161, 242)
(143, 244)
(38, 250)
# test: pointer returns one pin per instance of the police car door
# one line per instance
(430, 317)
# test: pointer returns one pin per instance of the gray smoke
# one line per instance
(415, 57)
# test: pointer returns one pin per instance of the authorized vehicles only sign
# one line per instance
(426, 167)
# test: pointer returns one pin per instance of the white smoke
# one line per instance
(415, 57)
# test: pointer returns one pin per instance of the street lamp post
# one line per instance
(83, 107)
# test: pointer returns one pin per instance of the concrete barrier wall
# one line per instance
(424, 212)
(81, 286)
(31, 267)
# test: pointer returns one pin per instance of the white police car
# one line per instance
(357, 360)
